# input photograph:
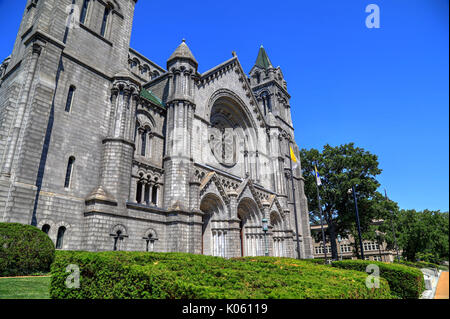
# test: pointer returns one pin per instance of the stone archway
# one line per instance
(213, 238)
(278, 244)
(232, 136)
(251, 234)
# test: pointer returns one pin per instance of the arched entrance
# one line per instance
(278, 245)
(252, 236)
(213, 238)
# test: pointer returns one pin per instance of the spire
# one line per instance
(182, 52)
(263, 60)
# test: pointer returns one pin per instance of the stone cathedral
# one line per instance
(103, 149)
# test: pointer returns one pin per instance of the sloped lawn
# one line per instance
(25, 288)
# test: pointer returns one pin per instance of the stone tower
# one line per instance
(182, 68)
(270, 89)
(178, 162)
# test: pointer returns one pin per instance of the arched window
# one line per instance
(155, 195)
(150, 243)
(70, 98)
(269, 103)
(150, 238)
(46, 228)
(143, 134)
(278, 246)
(143, 142)
(69, 171)
(117, 240)
(266, 102)
(105, 21)
(139, 192)
(84, 10)
(147, 194)
(60, 237)
(146, 71)
(155, 74)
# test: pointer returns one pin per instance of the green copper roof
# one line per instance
(148, 95)
(263, 60)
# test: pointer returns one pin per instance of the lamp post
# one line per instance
(379, 244)
(265, 227)
(339, 239)
(393, 228)
(350, 191)
(295, 205)
(324, 241)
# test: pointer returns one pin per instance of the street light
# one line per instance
(265, 227)
(339, 239)
(393, 228)
(379, 244)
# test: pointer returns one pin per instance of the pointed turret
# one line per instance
(263, 60)
(182, 52)
(269, 88)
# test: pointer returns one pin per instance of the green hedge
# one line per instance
(405, 282)
(315, 261)
(179, 275)
(421, 264)
(24, 250)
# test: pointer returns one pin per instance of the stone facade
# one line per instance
(105, 150)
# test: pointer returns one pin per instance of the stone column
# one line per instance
(234, 231)
(118, 149)
(23, 101)
(194, 187)
(268, 235)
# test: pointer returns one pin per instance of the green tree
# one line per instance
(340, 168)
(420, 234)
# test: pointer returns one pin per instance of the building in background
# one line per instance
(373, 250)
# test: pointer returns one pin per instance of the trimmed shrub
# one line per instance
(421, 264)
(405, 282)
(113, 275)
(24, 250)
(315, 261)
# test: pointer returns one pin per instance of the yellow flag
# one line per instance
(293, 158)
(318, 181)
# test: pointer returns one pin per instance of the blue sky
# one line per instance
(385, 89)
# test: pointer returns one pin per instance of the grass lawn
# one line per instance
(25, 288)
